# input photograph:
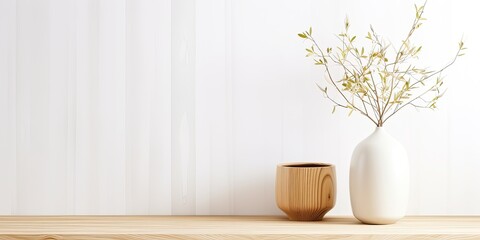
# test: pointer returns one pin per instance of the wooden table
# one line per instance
(231, 227)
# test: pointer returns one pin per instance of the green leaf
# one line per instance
(318, 62)
(353, 38)
(302, 35)
(321, 89)
(369, 36)
(418, 49)
(310, 31)
(334, 108)
(350, 113)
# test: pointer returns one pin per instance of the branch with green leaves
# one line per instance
(373, 85)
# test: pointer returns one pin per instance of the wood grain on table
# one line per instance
(231, 227)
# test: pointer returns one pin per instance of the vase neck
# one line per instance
(380, 131)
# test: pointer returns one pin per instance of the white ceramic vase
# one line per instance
(379, 179)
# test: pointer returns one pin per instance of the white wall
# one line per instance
(185, 107)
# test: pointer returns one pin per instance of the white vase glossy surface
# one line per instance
(379, 179)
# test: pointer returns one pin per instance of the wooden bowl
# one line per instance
(305, 191)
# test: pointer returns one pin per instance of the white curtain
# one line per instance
(185, 107)
(104, 110)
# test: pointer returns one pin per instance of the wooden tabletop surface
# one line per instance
(232, 227)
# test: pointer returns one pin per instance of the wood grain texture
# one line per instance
(230, 227)
(305, 191)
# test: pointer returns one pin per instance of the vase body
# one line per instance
(305, 191)
(379, 179)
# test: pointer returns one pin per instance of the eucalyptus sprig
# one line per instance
(378, 80)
